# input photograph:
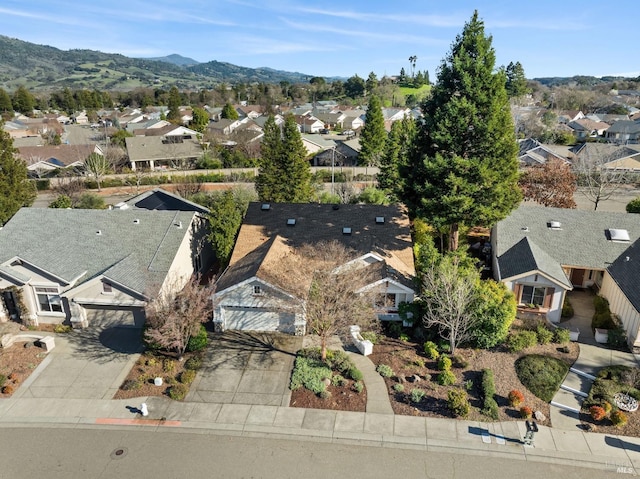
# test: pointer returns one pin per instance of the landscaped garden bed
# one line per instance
(17, 362)
(600, 410)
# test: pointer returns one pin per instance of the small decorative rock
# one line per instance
(157, 381)
(28, 344)
(415, 378)
(401, 379)
(539, 416)
(327, 381)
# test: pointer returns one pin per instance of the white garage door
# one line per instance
(105, 317)
(255, 319)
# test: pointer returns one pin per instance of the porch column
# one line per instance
(4, 316)
(28, 296)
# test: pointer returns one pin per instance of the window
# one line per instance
(48, 299)
(197, 262)
(387, 300)
(107, 288)
(533, 295)
(257, 289)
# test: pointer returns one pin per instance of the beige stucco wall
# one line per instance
(622, 307)
(555, 310)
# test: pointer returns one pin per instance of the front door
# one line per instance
(577, 277)
(9, 299)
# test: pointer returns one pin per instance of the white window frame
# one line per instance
(51, 291)
(532, 295)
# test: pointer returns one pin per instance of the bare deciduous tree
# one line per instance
(174, 317)
(598, 182)
(97, 166)
(552, 184)
(68, 185)
(330, 289)
(449, 293)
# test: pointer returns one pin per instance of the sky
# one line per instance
(340, 38)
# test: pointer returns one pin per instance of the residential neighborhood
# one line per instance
(445, 264)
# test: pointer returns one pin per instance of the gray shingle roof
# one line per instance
(141, 148)
(65, 244)
(159, 199)
(625, 271)
(581, 241)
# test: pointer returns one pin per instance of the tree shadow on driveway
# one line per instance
(105, 344)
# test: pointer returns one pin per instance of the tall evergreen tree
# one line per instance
(465, 169)
(285, 174)
(5, 102)
(229, 112)
(516, 81)
(397, 149)
(16, 190)
(373, 134)
(23, 101)
(173, 103)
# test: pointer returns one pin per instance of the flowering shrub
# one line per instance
(515, 398)
(526, 412)
(618, 418)
(597, 413)
(606, 405)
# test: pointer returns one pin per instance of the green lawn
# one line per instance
(419, 92)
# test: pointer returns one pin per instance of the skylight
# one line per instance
(555, 225)
(291, 222)
(265, 206)
(346, 230)
(619, 235)
(380, 220)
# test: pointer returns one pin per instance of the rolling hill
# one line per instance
(41, 67)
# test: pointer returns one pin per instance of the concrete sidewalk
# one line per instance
(499, 439)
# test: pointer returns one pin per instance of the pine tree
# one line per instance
(465, 169)
(174, 105)
(373, 134)
(5, 102)
(285, 174)
(516, 81)
(397, 149)
(229, 112)
(23, 101)
(16, 189)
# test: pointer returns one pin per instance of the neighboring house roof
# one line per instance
(143, 148)
(64, 243)
(532, 152)
(265, 236)
(28, 141)
(624, 127)
(159, 199)
(588, 125)
(582, 240)
(59, 155)
(625, 271)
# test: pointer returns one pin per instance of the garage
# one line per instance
(256, 319)
(114, 316)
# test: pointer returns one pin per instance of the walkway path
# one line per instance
(377, 395)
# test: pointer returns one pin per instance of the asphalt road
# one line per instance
(112, 453)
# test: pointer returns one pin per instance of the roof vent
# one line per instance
(136, 221)
(380, 220)
(525, 229)
(555, 225)
(346, 230)
(619, 235)
(99, 233)
(265, 206)
(178, 224)
(291, 222)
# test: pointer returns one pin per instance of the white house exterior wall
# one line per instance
(555, 310)
(622, 307)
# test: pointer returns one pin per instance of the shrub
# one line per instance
(431, 350)
(444, 363)
(618, 418)
(187, 376)
(491, 409)
(198, 341)
(168, 365)
(150, 362)
(606, 405)
(603, 321)
(338, 380)
(193, 363)
(62, 329)
(444, 346)
(526, 412)
(417, 395)
(446, 378)
(544, 335)
(324, 394)
(419, 362)
(398, 388)
(458, 402)
(597, 413)
(3, 379)
(468, 384)
(384, 371)
(404, 337)
(177, 392)
(355, 374)
(43, 184)
(370, 336)
(459, 362)
(617, 338)
(8, 389)
(495, 312)
(600, 304)
(515, 398)
(567, 309)
(516, 342)
(541, 375)
(336, 359)
(633, 206)
(488, 384)
(358, 387)
(561, 336)
(309, 373)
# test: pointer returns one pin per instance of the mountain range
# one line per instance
(42, 67)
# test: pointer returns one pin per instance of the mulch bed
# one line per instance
(343, 398)
(406, 359)
(16, 363)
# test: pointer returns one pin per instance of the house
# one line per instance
(308, 124)
(93, 267)
(223, 127)
(533, 153)
(587, 128)
(152, 152)
(567, 116)
(248, 297)
(316, 143)
(624, 131)
(343, 153)
(354, 119)
(391, 115)
(541, 253)
(41, 160)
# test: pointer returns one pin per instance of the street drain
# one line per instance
(119, 453)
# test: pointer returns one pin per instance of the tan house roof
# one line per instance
(64, 154)
(144, 148)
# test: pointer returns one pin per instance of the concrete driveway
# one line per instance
(89, 364)
(246, 368)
